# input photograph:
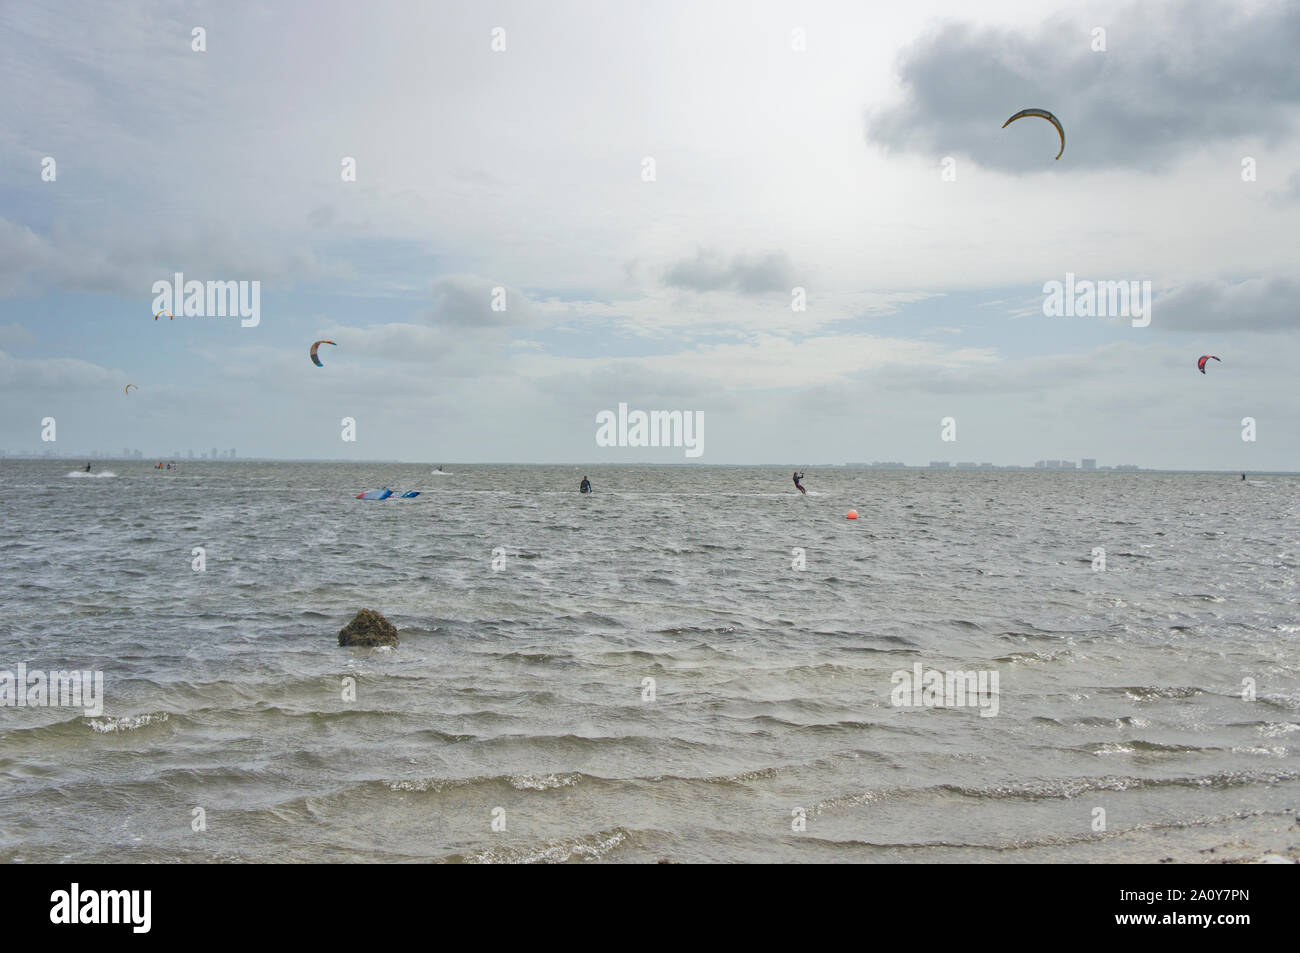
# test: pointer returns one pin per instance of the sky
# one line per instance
(852, 154)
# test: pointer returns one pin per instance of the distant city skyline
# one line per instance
(230, 455)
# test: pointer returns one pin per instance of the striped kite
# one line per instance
(1044, 114)
(314, 359)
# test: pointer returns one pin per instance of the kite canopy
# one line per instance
(127, 388)
(314, 359)
(1042, 114)
(170, 316)
(1200, 361)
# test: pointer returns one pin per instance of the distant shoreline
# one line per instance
(1000, 468)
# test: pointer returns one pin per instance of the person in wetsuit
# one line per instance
(87, 467)
(797, 477)
(585, 486)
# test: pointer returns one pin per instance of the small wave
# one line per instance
(83, 475)
(1027, 658)
(520, 782)
(532, 782)
(108, 725)
(1135, 747)
(584, 847)
(1277, 729)
(1149, 692)
(536, 658)
(1066, 788)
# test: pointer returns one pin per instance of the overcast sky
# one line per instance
(775, 168)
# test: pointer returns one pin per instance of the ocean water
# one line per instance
(519, 694)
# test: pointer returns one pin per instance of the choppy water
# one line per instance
(522, 689)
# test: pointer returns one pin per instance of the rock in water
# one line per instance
(368, 627)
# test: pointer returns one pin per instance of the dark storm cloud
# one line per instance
(709, 270)
(1260, 304)
(1174, 77)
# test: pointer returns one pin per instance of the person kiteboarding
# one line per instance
(797, 477)
(585, 486)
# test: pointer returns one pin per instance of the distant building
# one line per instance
(966, 465)
(1089, 464)
(986, 466)
(1040, 464)
(939, 464)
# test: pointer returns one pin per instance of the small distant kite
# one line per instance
(170, 316)
(1200, 361)
(1042, 114)
(314, 359)
(127, 388)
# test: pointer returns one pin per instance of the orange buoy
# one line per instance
(851, 515)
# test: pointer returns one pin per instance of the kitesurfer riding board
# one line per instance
(584, 486)
(797, 477)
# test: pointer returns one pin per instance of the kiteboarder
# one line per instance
(797, 477)
(585, 486)
(87, 467)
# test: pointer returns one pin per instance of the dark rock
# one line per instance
(368, 627)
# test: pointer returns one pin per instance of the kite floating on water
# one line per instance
(1200, 362)
(1042, 114)
(314, 359)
